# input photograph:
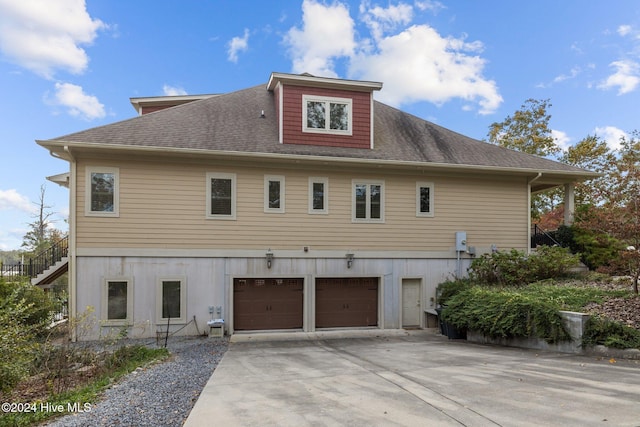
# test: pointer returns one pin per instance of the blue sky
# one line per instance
(69, 65)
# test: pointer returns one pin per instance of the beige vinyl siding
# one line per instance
(163, 205)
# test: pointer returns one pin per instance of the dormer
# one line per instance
(150, 104)
(323, 111)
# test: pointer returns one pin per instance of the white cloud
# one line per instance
(561, 138)
(11, 199)
(418, 64)
(168, 90)
(623, 30)
(238, 44)
(431, 5)
(77, 102)
(611, 135)
(626, 78)
(45, 35)
(327, 32)
(414, 62)
(381, 20)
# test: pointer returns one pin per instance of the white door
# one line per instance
(411, 307)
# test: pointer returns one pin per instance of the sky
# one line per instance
(71, 65)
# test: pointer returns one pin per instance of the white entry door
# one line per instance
(411, 307)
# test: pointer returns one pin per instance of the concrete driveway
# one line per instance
(412, 378)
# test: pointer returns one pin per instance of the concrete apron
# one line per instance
(378, 377)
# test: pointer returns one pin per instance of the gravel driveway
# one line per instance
(161, 395)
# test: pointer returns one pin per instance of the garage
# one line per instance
(261, 304)
(346, 302)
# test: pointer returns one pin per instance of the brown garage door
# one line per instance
(267, 304)
(346, 302)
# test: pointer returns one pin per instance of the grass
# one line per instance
(121, 362)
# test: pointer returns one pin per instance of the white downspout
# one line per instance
(532, 180)
(73, 310)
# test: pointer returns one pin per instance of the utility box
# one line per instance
(216, 328)
(461, 241)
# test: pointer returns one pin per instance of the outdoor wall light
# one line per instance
(349, 260)
(269, 256)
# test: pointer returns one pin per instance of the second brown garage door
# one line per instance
(260, 304)
(346, 302)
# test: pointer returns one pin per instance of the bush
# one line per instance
(600, 331)
(16, 345)
(515, 268)
(448, 289)
(505, 314)
(25, 311)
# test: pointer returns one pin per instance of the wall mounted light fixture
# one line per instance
(349, 260)
(269, 256)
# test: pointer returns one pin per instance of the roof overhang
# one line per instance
(321, 82)
(540, 179)
(62, 179)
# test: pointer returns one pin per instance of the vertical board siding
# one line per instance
(162, 205)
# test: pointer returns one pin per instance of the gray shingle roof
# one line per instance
(232, 122)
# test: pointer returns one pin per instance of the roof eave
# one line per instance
(312, 81)
(60, 149)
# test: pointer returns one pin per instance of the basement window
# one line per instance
(326, 115)
(171, 300)
(117, 302)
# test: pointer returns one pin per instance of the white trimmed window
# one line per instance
(368, 201)
(424, 199)
(327, 115)
(102, 188)
(171, 301)
(221, 195)
(117, 301)
(318, 195)
(274, 193)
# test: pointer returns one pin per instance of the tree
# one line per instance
(594, 154)
(527, 130)
(617, 212)
(40, 234)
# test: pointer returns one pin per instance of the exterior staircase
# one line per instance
(42, 268)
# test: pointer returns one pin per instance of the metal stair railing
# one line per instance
(39, 262)
(540, 237)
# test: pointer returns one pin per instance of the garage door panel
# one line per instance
(346, 302)
(262, 304)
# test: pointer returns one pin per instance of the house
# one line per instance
(298, 205)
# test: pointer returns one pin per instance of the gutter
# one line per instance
(73, 180)
(312, 158)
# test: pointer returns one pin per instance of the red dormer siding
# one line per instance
(292, 109)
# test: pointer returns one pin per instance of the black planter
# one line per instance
(449, 330)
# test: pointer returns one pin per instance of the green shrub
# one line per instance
(17, 345)
(446, 290)
(505, 313)
(600, 331)
(515, 268)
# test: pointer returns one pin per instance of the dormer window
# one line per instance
(326, 115)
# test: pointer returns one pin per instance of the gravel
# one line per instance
(160, 395)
